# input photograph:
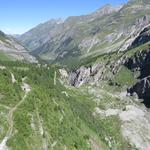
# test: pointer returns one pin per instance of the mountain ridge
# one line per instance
(11, 49)
(106, 30)
(50, 25)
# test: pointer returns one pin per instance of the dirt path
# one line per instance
(13, 78)
(95, 145)
(10, 116)
(55, 74)
(3, 145)
(4, 106)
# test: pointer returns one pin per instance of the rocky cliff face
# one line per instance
(83, 75)
(141, 59)
(144, 37)
(141, 62)
(142, 88)
(94, 73)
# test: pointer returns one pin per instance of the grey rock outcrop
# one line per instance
(140, 62)
(134, 33)
(83, 75)
(91, 74)
(143, 38)
(142, 89)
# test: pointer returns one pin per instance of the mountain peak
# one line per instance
(106, 6)
(56, 21)
(107, 9)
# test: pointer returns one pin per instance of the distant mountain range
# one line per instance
(107, 30)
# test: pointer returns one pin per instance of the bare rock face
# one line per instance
(86, 75)
(143, 37)
(140, 61)
(142, 88)
(91, 74)
(80, 76)
(135, 32)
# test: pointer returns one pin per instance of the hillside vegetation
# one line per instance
(52, 116)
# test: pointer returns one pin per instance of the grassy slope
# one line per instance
(46, 105)
(66, 121)
(124, 77)
(4, 57)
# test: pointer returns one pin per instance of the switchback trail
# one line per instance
(3, 145)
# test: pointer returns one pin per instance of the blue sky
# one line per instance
(18, 16)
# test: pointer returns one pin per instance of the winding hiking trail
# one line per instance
(26, 88)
